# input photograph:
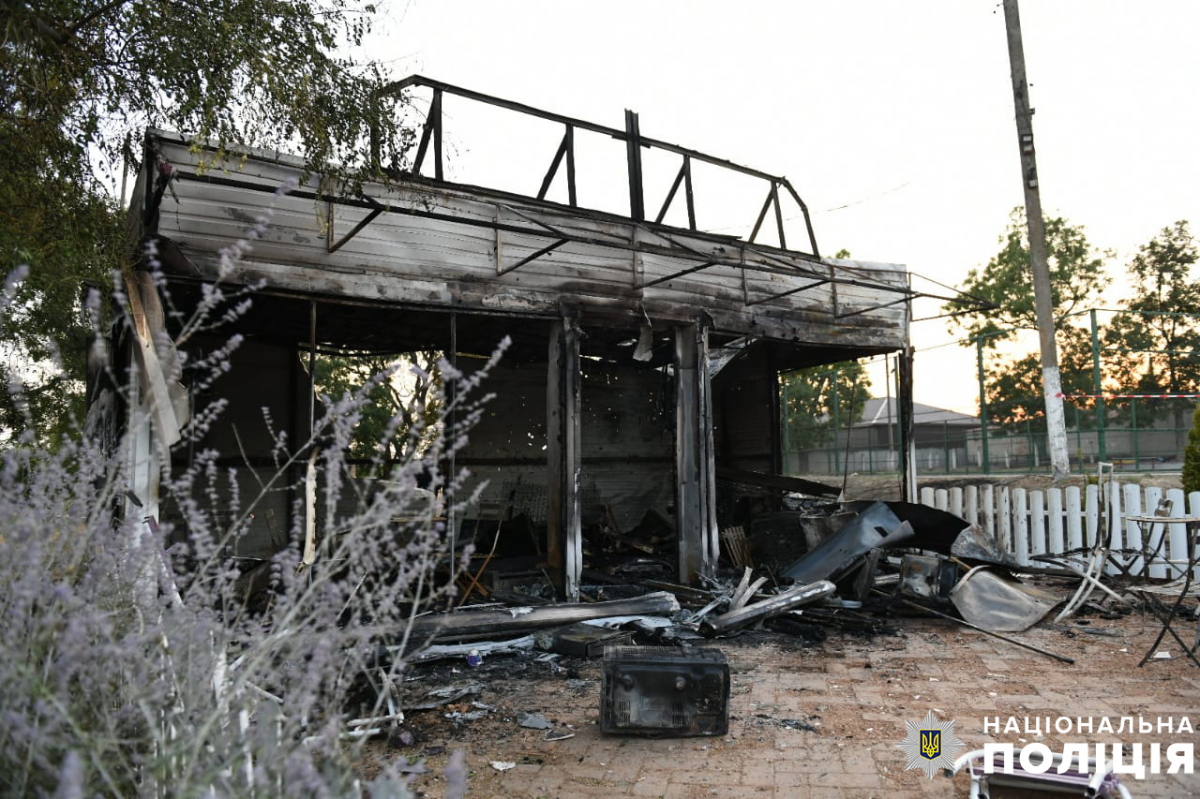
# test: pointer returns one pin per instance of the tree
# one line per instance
(1014, 387)
(81, 79)
(402, 410)
(1077, 278)
(69, 235)
(809, 398)
(1016, 391)
(1156, 343)
(1150, 347)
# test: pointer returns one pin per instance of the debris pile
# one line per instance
(857, 567)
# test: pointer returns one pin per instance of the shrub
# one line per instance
(123, 672)
(1191, 456)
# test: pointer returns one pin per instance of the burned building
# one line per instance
(643, 370)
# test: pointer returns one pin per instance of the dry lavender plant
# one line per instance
(130, 669)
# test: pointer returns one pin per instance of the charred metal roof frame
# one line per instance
(726, 251)
(566, 150)
(635, 142)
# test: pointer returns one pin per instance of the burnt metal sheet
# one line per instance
(874, 528)
(928, 577)
(943, 532)
(933, 529)
(1000, 604)
(975, 543)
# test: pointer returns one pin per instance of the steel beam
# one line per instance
(533, 257)
(554, 164)
(671, 193)
(633, 151)
(789, 292)
(695, 469)
(678, 274)
(333, 246)
(564, 535)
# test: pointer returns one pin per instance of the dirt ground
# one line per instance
(807, 719)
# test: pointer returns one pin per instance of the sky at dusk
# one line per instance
(894, 121)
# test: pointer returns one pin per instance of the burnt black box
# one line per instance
(659, 690)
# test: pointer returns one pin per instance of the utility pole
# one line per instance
(1056, 422)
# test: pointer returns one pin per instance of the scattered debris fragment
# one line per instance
(533, 721)
(927, 577)
(797, 724)
(1000, 604)
(584, 640)
(456, 651)
(875, 527)
(439, 697)
(466, 624)
(800, 595)
(503, 765)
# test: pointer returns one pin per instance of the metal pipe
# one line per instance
(499, 102)
(837, 464)
(1100, 408)
(966, 623)
(983, 420)
(1136, 453)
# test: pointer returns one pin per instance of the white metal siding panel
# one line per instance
(415, 259)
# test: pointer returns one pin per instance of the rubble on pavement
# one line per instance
(859, 568)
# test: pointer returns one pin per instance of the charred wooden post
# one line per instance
(695, 469)
(778, 413)
(633, 152)
(564, 534)
(908, 447)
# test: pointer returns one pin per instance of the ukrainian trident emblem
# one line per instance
(930, 744)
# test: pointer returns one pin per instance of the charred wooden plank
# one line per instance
(507, 621)
(800, 595)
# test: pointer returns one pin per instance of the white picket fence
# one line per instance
(1033, 523)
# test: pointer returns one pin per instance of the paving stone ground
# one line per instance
(855, 693)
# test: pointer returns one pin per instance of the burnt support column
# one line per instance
(564, 536)
(908, 447)
(695, 468)
(777, 452)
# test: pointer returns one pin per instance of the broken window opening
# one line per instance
(401, 419)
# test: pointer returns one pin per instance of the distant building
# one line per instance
(932, 427)
(874, 441)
